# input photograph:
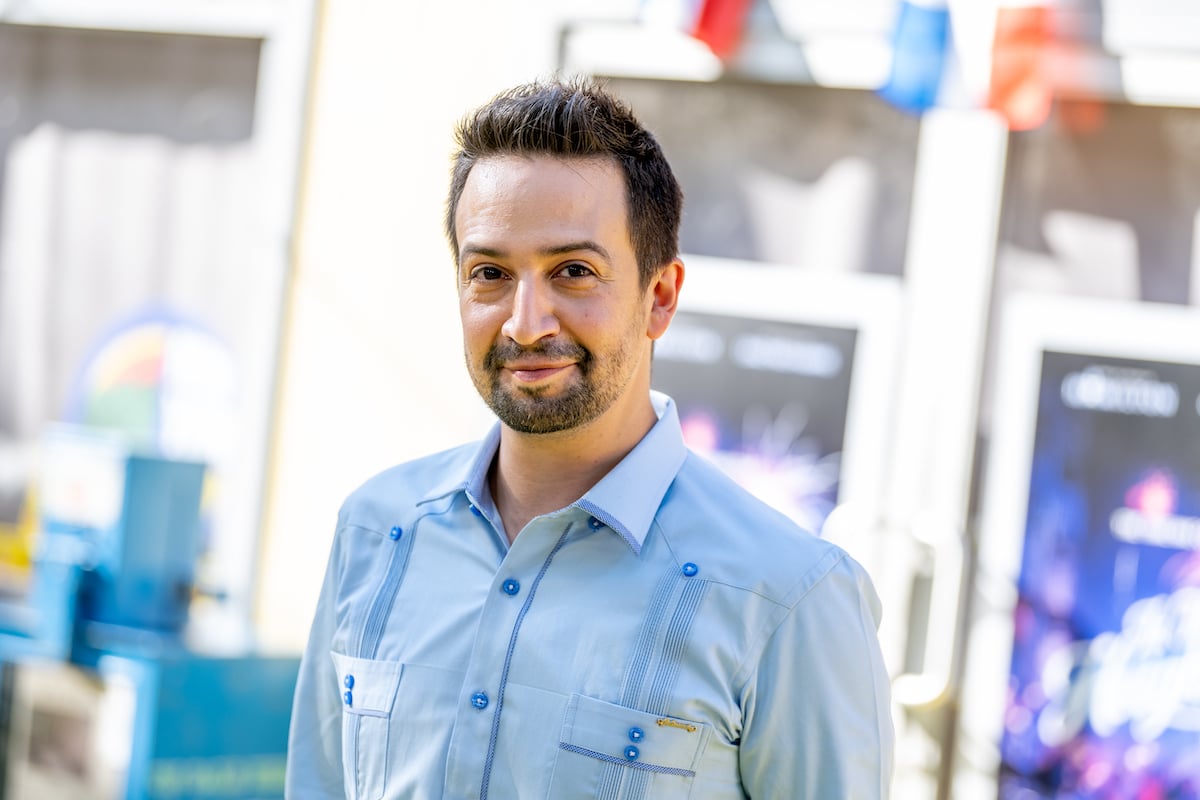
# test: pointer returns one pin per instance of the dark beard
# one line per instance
(526, 410)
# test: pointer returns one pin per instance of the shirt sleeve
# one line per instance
(817, 712)
(314, 759)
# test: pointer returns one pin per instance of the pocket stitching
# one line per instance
(389, 673)
(573, 735)
(605, 757)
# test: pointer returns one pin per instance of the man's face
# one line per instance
(554, 319)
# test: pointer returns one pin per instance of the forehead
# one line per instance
(518, 190)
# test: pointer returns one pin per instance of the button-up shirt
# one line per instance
(665, 636)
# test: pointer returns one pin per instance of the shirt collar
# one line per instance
(626, 499)
(471, 475)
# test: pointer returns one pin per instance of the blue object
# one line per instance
(479, 700)
(689, 569)
(207, 727)
(193, 727)
(511, 586)
(919, 43)
(636, 734)
(119, 537)
(112, 586)
(145, 565)
(632, 753)
(42, 624)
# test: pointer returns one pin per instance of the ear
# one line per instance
(664, 294)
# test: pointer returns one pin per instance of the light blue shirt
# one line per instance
(666, 636)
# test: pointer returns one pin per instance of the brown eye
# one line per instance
(487, 273)
(576, 271)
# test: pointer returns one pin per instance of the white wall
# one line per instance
(371, 358)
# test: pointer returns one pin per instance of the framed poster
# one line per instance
(781, 376)
(1083, 655)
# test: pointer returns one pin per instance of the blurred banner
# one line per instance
(1103, 700)
(1082, 656)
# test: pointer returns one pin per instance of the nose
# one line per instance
(532, 317)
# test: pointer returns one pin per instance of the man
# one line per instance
(578, 607)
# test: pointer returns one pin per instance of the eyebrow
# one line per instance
(556, 250)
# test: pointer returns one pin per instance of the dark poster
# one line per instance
(766, 401)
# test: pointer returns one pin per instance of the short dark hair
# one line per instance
(577, 118)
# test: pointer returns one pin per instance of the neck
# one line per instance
(534, 474)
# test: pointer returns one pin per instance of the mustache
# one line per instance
(506, 351)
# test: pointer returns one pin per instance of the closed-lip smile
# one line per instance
(530, 372)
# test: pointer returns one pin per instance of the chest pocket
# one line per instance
(368, 695)
(610, 751)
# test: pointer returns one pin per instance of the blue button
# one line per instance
(396, 533)
(349, 698)
(632, 753)
(348, 681)
(595, 523)
(690, 569)
(479, 700)
(476, 511)
(511, 586)
(636, 734)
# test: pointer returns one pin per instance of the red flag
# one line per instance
(720, 23)
(1021, 87)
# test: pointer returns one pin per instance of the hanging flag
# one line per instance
(717, 23)
(1021, 87)
(720, 24)
(920, 40)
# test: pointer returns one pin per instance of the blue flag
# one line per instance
(919, 43)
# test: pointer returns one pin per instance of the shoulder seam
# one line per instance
(753, 654)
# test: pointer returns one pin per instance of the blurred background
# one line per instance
(943, 265)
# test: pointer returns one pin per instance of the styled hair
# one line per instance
(577, 118)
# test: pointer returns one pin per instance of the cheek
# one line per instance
(479, 323)
(597, 321)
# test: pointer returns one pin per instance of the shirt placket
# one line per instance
(479, 719)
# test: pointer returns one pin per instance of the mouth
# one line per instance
(535, 369)
(535, 373)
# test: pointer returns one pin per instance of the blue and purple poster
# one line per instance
(1104, 687)
(766, 400)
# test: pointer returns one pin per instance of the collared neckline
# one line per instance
(626, 499)
(471, 477)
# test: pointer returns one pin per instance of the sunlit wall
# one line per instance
(372, 370)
